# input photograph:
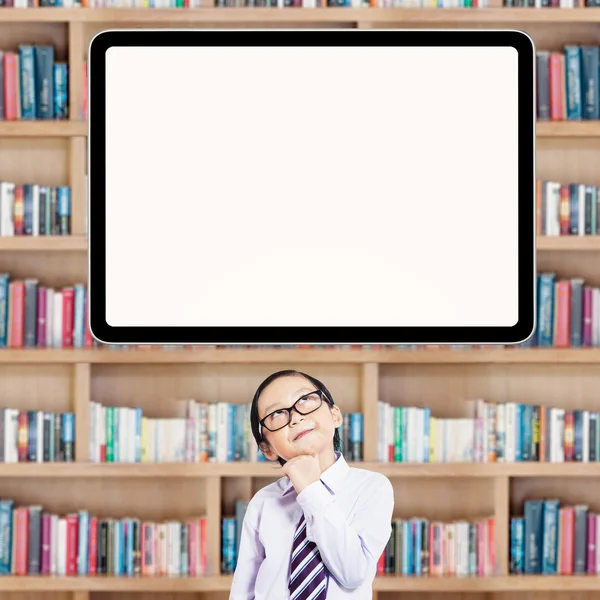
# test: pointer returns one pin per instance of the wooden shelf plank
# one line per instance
(44, 243)
(508, 583)
(273, 471)
(544, 129)
(553, 356)
(567, 129)
(565, 243)
(223, 583)
(568, 243)
(42, 128)
(303, 15)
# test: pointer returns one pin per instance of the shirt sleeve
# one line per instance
(250, 555)
(350, 549)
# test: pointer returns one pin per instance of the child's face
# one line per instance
(305, 434)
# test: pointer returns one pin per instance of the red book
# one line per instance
(567, 533)
(88, 340)
(46, 543)
(203, 551)
(563, 311)
(381, 563)
(17, 291)
(556, 69)
(491, 539)
(68, 310)
(93, 546)
(591, 543)
(480, 536)
(22, 545)
(72, 543)
(10, 86)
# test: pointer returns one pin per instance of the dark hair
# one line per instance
(337, 442)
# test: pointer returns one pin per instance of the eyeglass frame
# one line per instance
(321, 394)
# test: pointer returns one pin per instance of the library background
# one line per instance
(124, 473)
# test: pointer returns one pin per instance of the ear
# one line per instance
(269, 453)
(336, 413)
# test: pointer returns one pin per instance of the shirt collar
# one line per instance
(331, 477)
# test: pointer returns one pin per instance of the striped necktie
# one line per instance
(308, 576)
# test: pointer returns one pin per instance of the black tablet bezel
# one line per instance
(105, 333)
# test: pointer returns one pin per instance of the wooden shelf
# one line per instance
(84, 470)
(568, 243)
(313, 356)
(565, 243)
(44, 243)
(42, 128)
(568, 129)
(214, 583)
(544, 129)
(301, 15)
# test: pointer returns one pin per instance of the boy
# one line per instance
(319, 531)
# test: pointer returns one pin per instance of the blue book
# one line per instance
(82, 554)
(27, 81)
(61, 95)
(44, 81)
(79, 317)
(546, 283)
(418, 544)
(534, 510)
(28, 209)
(516, 545)
(64, 209)
(590, 61)
(6, 531)
(573, 82)
(518, 418)
(550, 537)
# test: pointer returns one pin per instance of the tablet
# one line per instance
(311, 186)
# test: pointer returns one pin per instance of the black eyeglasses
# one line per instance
(281, 417)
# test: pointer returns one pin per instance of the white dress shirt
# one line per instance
(348, 515)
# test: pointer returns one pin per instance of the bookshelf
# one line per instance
(54, 153)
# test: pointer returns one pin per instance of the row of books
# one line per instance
(567, 208)
(38, 316)
(567, 313)
(33, 84)
(513, 432)
(410, 434)
(100, 3)
(568, 83)
(34, 209)
(430, 4)
(36, 436)
(550, 539)
(421, 547)
(35, 541)
(548, 3)
(506, 432)
(198, 432)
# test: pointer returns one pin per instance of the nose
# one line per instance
(296, 417)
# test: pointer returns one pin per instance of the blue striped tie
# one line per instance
(308, 576)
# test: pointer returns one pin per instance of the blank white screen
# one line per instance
(292, 186)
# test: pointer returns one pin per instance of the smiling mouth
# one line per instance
(301, 435)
